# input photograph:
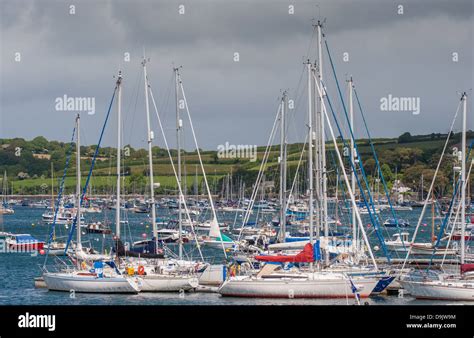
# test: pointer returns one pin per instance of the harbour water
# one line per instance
(19, 269)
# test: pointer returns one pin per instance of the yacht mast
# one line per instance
(352, 159)
(310, 156)
(283, 167)
(463, 177)
(179, 125)
(78, 184)
(119, 156)
(324, 192)
(150, 154)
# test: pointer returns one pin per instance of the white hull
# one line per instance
(164, 283)
(440, 290)
(57, 252)
(419, 249)
(63, 281)
(218, 244)
(296, 288)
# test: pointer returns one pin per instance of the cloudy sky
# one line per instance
(78, 54)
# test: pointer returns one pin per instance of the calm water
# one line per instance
(18, 270)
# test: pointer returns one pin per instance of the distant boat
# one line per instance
(393, 223)
(4, 207)
(402, 244)
(216, 238)
(98, 228)
(56, 248)
(23, 242)
(402, 207)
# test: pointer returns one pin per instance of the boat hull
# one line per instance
(90, 284)
(455, 291)
(319, 288)
(163, 283)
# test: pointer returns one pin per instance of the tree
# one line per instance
(405, 138)
(386, 172)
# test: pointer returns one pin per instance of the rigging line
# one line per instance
(308, 51)
(60, 193)
(90, 173)
(137, 90)
(428, 196)
(387, 194)
(346, 179)
(202, 166)
(296, 172)
(445, 221)
(454, 223)
(361, 166)
(165, 103)
(174, 170)
(362, 193)
(260, 173)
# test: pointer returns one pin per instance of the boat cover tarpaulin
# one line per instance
(26, 239)
(467, 267)
(305, 256)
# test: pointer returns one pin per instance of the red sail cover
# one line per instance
(305, 256)
(467, 267)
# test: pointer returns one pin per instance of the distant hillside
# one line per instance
(28, 165)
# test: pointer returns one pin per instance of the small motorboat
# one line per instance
(392, 223)
(98, 228)
(23, 242)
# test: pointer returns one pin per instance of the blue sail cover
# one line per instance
(26, 239)
(317, 251)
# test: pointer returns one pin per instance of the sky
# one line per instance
(48, 49)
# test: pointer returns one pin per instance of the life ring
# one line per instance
(141, 270)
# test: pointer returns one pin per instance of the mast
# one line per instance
(317, 160)
(52, 187)
(310, 156)
(150, 154)
(352, 159)
(283, 167)
(52, 197)
(432, 217)
(422, 187)
(463, 177)
(324, 194)
(78, 184)
(179, 124)
(119, 156)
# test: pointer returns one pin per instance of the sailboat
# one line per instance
(101, 278)
(54, 247)
(307, 282)
(446, 286)
(4, 207)
(162, 274)
(216, 238)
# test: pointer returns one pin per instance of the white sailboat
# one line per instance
(102, 278)
(91, 282)
(401, 243)
(449, 287)
(4, 207)
(162, 275)
(311, 282)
